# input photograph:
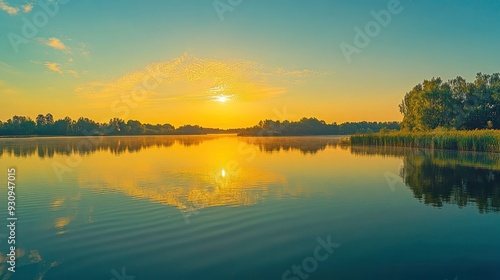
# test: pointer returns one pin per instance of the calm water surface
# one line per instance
(225, 207)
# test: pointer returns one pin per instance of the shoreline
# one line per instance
(130, 135)
(135, 135)
(460, 140)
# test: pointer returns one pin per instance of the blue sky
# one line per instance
(101, 42)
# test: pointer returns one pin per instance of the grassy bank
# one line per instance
(477, 140)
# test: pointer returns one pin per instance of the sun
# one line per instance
(222, 98)
(219, 94)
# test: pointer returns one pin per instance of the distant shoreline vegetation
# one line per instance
(45, 125)
(313, 126)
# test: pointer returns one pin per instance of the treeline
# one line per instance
(46, 125)
(313, 126)
(455, 104)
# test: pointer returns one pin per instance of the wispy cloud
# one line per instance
(83, 50)
(8, 9)
(56, 67)
(27, 8)
(55, 43)
(73, 73)
(191, 78)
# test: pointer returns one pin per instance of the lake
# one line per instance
(227, 207)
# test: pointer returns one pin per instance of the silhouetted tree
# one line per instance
(135, 127)
(63, 126)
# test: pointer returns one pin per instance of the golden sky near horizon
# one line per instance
(192, 90)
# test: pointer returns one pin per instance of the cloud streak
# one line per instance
(74, 73)
(56, 67)
(27, 8)
(8, 9)
(55, 43)
(195, 79)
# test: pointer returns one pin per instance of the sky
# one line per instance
(231, 63)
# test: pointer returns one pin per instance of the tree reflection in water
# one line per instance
(447, 177)
(48, 146)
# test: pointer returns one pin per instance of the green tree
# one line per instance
(428, 105)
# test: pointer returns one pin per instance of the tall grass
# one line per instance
(475, 140)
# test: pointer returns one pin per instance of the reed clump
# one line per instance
(472, 140)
